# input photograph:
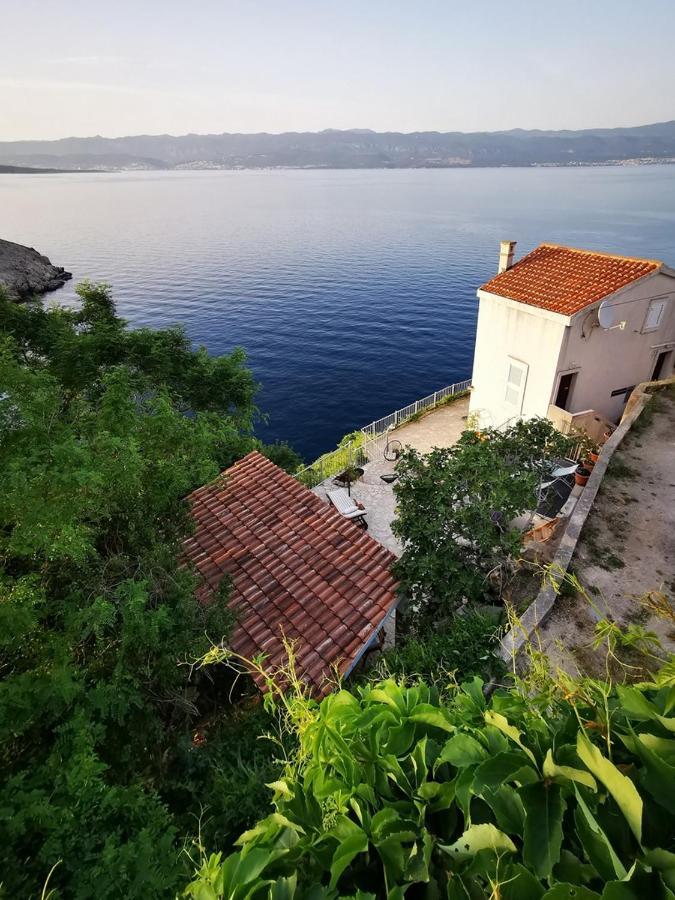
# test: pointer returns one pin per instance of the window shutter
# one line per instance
(655, 313)
(516, 377)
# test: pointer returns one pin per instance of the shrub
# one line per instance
(463, 649)
(455, 506)
(97, 613)
(283, 455)
(563, 791)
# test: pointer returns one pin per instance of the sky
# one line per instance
(146, 67)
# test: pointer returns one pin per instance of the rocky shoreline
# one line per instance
(25, 273)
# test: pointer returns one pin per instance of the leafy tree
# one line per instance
(454, 509)
(103, 432)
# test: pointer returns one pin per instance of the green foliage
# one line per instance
(561, 790)
(283, 455)
(103, 431)
(348, 453)
(226, 766)
(454, 509)
(456, 653)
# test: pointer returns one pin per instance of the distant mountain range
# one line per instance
(357, 148)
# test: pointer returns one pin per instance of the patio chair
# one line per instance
(346, 506)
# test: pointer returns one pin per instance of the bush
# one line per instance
(283, 455)
(463, 649)
(565, 790)
(455, 506)
(103, 432)
(220, 774)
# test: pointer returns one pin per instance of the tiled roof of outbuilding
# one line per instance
(566, 280)
(300, 570)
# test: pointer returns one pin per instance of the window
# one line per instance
(516, 376)
(655, 314)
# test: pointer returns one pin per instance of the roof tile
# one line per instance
(566, 280)
(299, 569)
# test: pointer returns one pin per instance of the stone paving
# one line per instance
(439, 428)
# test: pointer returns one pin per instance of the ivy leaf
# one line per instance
(544, 808)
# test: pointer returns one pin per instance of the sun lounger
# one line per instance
(345, 505)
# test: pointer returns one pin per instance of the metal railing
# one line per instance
(407, 412)
(355, 453)
(370, 440)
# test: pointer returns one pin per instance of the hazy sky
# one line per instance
(142, 66)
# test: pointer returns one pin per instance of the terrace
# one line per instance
(440, 427)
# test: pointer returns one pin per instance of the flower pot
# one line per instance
(594, 456)
(581, 476)
(588, 463)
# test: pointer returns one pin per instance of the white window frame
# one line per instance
(654, 319)
(513, 388)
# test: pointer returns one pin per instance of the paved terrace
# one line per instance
(439, 428)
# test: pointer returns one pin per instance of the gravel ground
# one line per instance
(627, 547)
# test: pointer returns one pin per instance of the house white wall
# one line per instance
(510, 330)
(607, 361)
(552, 345)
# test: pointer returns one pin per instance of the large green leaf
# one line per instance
(512, 765)
(507, 807)
(345, 852)
(551, 770)
(656, 775)
(502, 723)
(479, 837)
(596, 843)
(544, 808)
(431, 715)
(566, 891)
(619, 786)
(664, 861)
(461, 750)
(638, 707)
(517, 883)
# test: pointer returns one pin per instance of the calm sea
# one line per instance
(353, 292)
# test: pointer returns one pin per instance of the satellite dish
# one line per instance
(608, 316)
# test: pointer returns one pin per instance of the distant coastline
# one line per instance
(33, 170)
(643, 145)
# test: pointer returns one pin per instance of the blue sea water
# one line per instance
(353, 292)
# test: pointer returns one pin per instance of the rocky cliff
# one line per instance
(25, 273)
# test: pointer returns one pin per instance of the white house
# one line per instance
(567, 329)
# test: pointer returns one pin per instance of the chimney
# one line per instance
(506, 249)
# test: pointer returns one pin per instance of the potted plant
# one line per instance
(349, 475)
(581, 475)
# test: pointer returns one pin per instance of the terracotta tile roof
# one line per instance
(299, 569)
(566, 280)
